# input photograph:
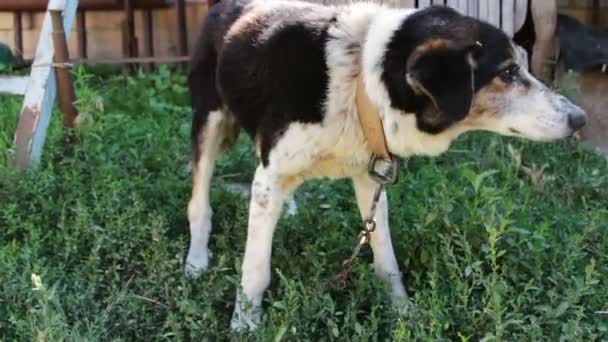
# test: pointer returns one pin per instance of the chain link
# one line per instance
(369, 224)
(364, 237)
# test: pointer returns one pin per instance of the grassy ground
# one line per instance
(501, 239)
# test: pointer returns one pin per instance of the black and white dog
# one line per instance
(286, 71)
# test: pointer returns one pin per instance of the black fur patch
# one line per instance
(204, 96)
(442, 72)
(446, 24)
(270, 83)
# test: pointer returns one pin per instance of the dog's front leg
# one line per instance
(385, 262)
(268, 193)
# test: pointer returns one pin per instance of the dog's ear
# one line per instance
(442, 73)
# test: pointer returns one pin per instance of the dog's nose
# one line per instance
(576, 115)
(576, 121)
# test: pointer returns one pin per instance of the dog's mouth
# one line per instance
(514, 131)
(575, 136)
(570, 135)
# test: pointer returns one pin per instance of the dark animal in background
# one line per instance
(583, 62)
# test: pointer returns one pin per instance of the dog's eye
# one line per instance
(510, 73)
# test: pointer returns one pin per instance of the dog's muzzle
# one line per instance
(577, 118)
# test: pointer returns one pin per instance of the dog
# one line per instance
(286, 72)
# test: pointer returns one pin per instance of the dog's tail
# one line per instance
(204, 97)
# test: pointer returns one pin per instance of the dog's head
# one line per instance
(458, 74)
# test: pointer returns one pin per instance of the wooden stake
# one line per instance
(41, 90)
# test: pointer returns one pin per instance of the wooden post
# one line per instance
(65, 87)
(148, 43)
(544, 14)
(182, 33)
(41, 90)
(82, 34)
(18, 31)
(129, 39)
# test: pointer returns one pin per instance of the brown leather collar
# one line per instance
(371, 122)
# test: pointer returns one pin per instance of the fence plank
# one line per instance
(407, 3)
(473, 8)
(399, 3)
(41, 89)
(482, 10)
(424, 3)
(460, 5)
(521, 11)
(508, 17)
(13, 85)
(493, 12)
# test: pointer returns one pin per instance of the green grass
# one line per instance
(501, 239)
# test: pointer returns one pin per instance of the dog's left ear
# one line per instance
(442, 71)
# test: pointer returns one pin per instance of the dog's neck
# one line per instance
(403, 137)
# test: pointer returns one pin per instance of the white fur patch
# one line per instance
(378, 37)
(533, 112)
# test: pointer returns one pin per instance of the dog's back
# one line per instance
(263, 63)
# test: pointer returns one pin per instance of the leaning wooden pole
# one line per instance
(65, 86)
(41, 89)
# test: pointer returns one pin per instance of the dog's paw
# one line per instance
(245, 318)
(292, 207)
(403, 305)
(196, 264)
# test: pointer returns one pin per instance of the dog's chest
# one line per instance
(334, 149)
(331, 166)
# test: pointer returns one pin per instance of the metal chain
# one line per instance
(364, 237)
(384, 176)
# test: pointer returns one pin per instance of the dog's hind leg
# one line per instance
(385, 262)
(213, 130)
(217, 132)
